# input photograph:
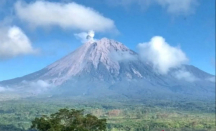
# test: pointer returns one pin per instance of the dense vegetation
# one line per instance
(69, 120)
(149, 115)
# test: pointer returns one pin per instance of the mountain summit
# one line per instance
(108, 68)
(91, 54)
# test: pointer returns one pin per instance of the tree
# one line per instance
(69, 120)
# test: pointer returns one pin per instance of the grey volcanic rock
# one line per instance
(108, 68)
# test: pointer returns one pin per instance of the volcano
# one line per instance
(107, 68)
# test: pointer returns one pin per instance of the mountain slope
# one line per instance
(108, 68)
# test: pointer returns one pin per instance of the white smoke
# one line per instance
(86, 36)
(91, 34)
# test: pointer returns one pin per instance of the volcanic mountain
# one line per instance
(107, 68)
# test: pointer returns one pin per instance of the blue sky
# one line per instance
(187, 24)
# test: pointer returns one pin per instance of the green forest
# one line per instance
(146, 115)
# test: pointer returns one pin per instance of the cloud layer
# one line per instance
(14, 42)
(184, 75)
(172, 6)
(70, 15)
(178, 6)
(161, 54)
(122, 56)
(3, 89)
(211, 79)
(36, 87)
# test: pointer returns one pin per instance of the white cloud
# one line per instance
(178, 6)
(161, 54)
(66, 15)
(3, 89)
(184, 75)
(122, 56)
(172, 6)
(211, 79)
(38, 86)
(35, 87)
(14, 42)
(85, 36)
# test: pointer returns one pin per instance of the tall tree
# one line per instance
(69, 120)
